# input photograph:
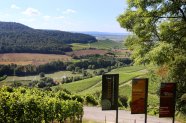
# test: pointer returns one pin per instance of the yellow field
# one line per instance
(31, 58)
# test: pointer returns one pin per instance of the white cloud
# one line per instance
(31, 12)
(47, 17)
(13, 6)
(60, 17)
(69, 11)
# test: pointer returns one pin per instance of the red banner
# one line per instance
(139, 96)
(167, 99)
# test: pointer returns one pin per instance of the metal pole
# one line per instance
(117, 115)
(145, 117)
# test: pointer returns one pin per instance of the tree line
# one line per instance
(55, 66)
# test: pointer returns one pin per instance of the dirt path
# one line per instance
(96, 114)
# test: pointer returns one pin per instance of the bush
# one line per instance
(78, 98)
(63, 95)
(91, 100)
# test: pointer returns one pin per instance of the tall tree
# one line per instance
(159, 36)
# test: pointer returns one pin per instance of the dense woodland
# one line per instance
(15, 37)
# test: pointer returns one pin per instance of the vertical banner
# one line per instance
(167, 99)
(139, 96)
(110, 84)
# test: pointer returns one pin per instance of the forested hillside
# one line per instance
(15, 37)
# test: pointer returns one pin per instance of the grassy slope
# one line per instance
(93, 85)
(82, 85)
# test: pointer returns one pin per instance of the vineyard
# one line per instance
(92, 86)
(24, 105)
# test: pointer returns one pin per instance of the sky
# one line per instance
(65, 15)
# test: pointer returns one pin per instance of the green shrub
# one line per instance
(78, 98)
(91, 100)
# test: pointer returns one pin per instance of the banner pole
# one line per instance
(146, 99)
(117, 93)
(173, 119)
(117, 115)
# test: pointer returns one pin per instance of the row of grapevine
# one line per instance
(24, 105)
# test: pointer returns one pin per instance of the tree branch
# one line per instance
(184, 17)
(161, 17)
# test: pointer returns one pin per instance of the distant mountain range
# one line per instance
(16, 37)
(104, 33)
(108, 35)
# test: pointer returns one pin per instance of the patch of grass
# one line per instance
(130, 69)
(78, 46)
(107, 44)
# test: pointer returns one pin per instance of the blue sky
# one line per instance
(66, 15)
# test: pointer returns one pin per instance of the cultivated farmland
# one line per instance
(30, 58)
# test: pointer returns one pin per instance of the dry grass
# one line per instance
(31, 58)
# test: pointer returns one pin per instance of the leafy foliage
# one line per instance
(159, 37)
(36, 106)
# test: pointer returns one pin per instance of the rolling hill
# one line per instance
(18, 38)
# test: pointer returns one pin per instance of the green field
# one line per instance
(57, 76)
(101, 44)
